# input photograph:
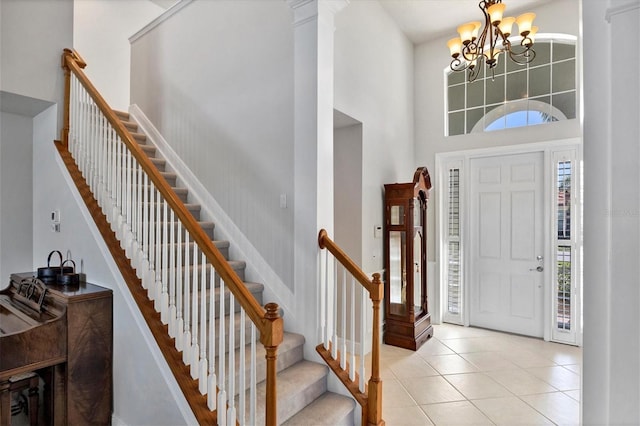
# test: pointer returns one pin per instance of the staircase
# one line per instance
(302, 396)
(229, 354)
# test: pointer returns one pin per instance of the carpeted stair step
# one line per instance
(193, 208)
(238, 266)
(160, 163)
(149, 150)
(182, 193)
(170, 177)
(141, 138)
(122, 115)
(255, 289)
(290, 352)
(207, 227)
(222, 245)
(329, 409)
(297, 387)
(131, 126)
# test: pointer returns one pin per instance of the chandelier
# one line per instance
(470, 50)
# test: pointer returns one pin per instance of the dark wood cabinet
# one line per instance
(407, 318)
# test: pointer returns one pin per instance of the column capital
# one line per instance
(308, 10)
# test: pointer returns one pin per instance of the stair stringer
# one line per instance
(258, 269)
(125, 293)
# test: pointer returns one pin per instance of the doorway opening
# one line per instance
(510, 239)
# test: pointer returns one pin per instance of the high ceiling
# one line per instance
(422, 20)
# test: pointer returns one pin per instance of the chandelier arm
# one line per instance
(527, 56)
(457, 65)
(473, 73)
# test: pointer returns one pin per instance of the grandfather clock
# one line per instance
(407, 318)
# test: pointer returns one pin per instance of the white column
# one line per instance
(611, 365)
(313, 153)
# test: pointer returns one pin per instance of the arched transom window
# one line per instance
(516, 95)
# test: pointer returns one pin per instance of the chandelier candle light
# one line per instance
(470, 50)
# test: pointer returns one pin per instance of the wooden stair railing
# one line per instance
(338, 348)
(138, 202)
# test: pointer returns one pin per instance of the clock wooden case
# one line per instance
(407, 318)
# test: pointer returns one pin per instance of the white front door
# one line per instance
(507, 242)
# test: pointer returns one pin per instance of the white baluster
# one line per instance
(157, 255)
(321, 291)
(186, 340)
(126, 201)
(253, 399)
(103, 158)
(136, 247)
(164, 301)
(145, 226)
(327, 291)
(106, 209)
(129, 250)
(231, 412)
(117, 207)
(85, 134)
(162, 259)
(195, 347)
(241, 366)
(352, 369)
(222, 394)
(203, 326)
(343, 356)
(334, 312)
(179, 294)
(211, 395)
(149, 278)
(363, 301)
(172, 275)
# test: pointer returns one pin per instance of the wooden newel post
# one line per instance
(68, 55)
(374, 404)
(271, 340)
(64, 136)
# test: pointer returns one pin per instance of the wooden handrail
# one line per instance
(324, 241)
(267, 321)
(371, 402)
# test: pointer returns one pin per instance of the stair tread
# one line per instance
(122, 114)
(330, 409)
(297, 386)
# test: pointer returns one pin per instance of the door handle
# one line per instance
(539, 269)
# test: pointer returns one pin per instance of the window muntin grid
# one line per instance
(453, 243)
(563, 248)
(564, 281)
(550, 81)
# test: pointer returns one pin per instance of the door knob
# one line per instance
(539, 269)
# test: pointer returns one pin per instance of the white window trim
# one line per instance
(516, 106)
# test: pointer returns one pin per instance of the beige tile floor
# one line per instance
(471, 376)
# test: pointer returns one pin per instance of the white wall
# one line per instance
(347, 163)
(143, 386)
(15, 195)
(611, 365)
(101, 32)
(216, 79)
(431, 58)
(33, 35)
(374, 85)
